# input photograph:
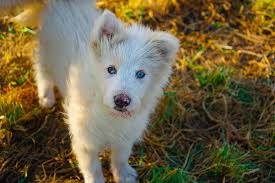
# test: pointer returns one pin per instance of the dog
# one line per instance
(110, 75)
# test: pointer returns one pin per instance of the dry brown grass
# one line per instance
(215, 123)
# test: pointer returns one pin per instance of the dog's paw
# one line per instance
(46, 102)
(94, 180)
(48, 99)
(96, 177)
(125, 174)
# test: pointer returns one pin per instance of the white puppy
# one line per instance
(111, 77)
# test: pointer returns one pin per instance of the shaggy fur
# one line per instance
(77, 45)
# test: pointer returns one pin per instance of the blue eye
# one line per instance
(140, 74)
(112, 70)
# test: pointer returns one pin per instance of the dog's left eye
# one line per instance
(140, 74)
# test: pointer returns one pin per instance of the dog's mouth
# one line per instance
(120, 109)
(121, 112)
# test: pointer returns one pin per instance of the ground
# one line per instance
(215, 122)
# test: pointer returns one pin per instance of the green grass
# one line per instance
(233, 163)
(168, 175)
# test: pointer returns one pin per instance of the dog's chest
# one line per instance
(109, 130)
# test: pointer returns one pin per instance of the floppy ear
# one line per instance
(108, 27)
(166, 45)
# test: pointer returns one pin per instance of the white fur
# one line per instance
(93, 122)
(77, 44)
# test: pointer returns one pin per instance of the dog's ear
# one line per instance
(166, 45)
(107, 27)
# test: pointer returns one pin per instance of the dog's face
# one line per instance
(132, 62)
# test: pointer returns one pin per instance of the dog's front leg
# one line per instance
(45, 84)
(122, 171)
(89, 163)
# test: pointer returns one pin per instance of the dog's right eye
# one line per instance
(111, 70)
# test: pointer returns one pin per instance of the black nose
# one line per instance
(122, 100)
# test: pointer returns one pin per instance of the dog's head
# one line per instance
(133, 63)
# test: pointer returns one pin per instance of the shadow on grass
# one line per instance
(38, 149)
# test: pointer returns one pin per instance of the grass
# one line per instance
(215, 122)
